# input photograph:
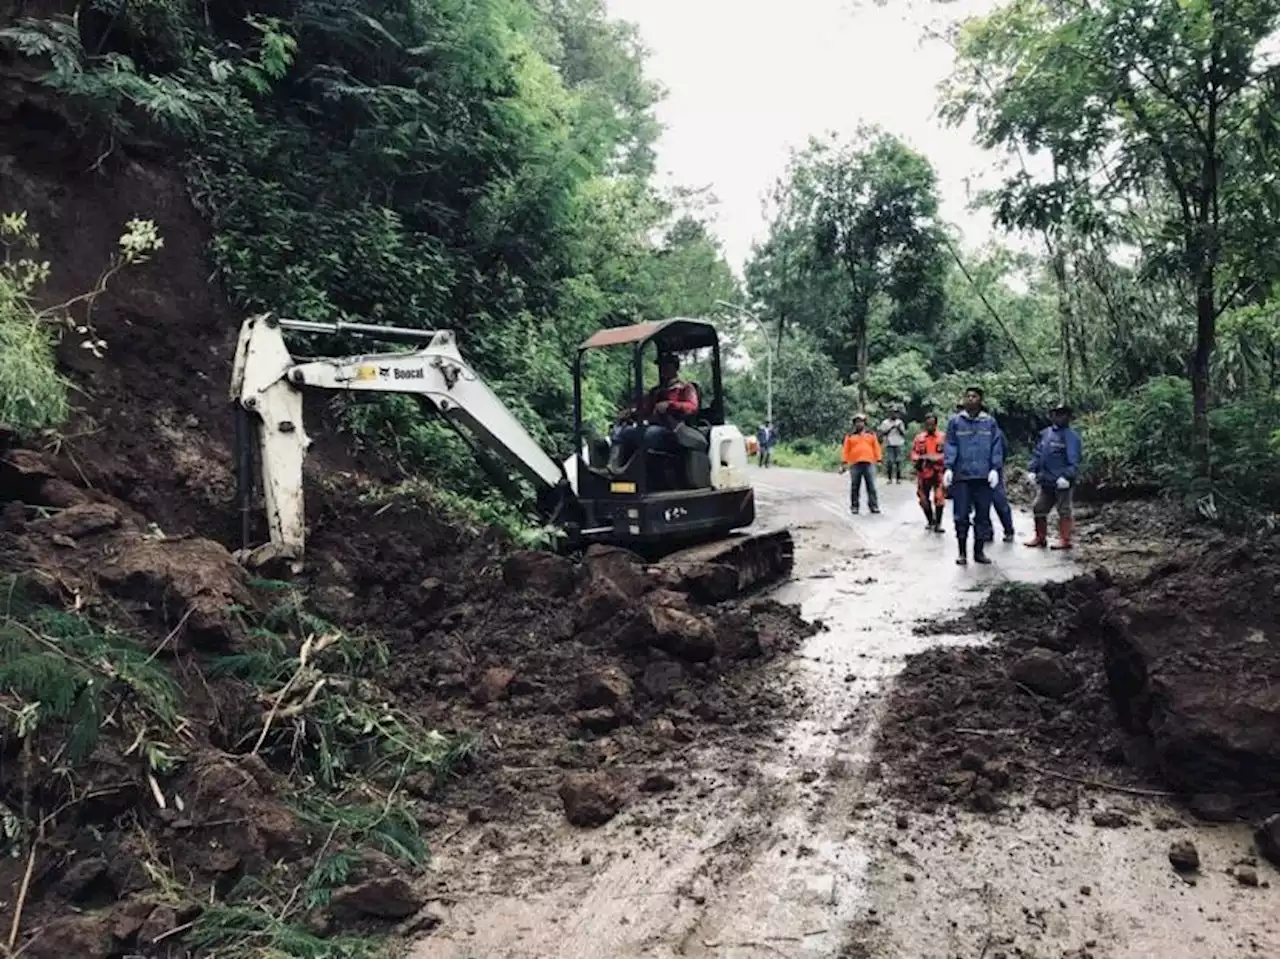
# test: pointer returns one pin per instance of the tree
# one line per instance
(868, 210)
(1174, 103)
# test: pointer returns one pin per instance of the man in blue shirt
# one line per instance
(1054, 467)
(766, 437)
(973, 457)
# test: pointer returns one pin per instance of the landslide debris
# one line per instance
(1168, 679)
(242, 734)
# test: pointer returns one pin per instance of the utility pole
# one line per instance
(768, 348)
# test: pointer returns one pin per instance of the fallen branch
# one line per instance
(16, 926)
(1097, 783)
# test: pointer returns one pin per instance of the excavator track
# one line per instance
(736, 565)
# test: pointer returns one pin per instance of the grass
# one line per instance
(808, 455)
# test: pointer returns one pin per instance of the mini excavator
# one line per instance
(685, 505)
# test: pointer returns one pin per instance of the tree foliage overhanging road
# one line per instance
(489, 165)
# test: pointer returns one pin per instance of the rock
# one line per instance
(996, 773)
(175, 577)
(657, 783)
(621, 568)
(78, 880)
(335, 603)
(83, 937)
(600, 603)
(984, 802)
(1110, 819)
(127, 918)
(1183, 856)
(537, 572)
(1267, 838)
(681, 634)
(1210, 730)
(1213, 807)
(661, 678)
(79, 521)
(591, 799)
(391, 897)
(60, 494)
(163, 919)
(493, 685)
(599, 720)
(608, 687)
(22, 473)
(1045, 672)
(1246, 875)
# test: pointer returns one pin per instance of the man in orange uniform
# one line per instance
(861, 453)
(926, 455)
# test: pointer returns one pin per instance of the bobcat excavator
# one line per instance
(677, 508)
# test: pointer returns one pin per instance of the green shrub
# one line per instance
(808, 454)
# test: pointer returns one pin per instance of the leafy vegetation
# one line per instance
(1140, 137)
(33, 394)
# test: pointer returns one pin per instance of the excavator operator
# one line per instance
(654, 422)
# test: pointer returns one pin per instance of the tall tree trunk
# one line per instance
(1064, 323)
(1206, 322)
(862, 357)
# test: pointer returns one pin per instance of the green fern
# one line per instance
(71, 671)
(390, 827)
(329, 873)
(249, 931)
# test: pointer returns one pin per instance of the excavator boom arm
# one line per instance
(267, 384)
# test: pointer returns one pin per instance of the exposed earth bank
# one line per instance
(1161, 681)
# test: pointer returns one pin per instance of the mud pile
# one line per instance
(577, 685)
(1168, 681)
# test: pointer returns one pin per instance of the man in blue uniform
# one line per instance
(1054, 467)
(973, 457)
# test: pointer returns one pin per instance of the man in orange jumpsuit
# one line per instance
(926, 455)
(861, 454)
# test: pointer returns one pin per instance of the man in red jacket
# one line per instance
(663, 408)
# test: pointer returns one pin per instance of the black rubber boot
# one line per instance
(980, 553)
(962, 559)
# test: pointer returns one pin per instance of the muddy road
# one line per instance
(787, 847)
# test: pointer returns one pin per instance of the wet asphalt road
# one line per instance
(798, 862)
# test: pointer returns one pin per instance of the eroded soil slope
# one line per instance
(1167, 680)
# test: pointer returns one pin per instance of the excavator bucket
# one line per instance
(730, 567)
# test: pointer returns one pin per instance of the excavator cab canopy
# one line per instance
(677, 335)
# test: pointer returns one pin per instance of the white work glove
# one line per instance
(993, 479)
(1063, 483)
(1032, 479)
(947, 476)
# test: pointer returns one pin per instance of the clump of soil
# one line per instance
(1169, 677)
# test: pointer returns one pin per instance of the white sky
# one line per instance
(747, 80)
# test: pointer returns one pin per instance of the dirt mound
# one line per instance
(1193, 660)
(560, 666)
(968, 724)
(1166, 680)
(572, 686)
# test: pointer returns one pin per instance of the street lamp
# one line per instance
(768, 347)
